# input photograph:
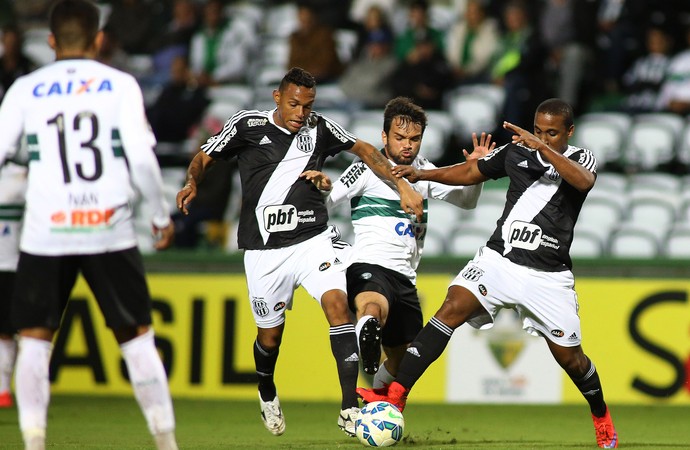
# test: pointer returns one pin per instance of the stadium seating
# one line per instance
(634, 242)
(652, 141)
(586, 244)
(466, 239)
(472, 111)
(603, 134)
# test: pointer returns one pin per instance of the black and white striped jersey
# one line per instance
(278, 208)
(536, 227)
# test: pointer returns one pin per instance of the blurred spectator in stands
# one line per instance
(471, 43)
(176, 112)
(359, 9)
(111, 52)
(130, 22)
(7, 14)
(32, 13)
(642, 82)
(418, 31)
(674, 95)
(206, 224)
(174, 40)
(13, 62)
(367, 80)
(423, 74)
(519, 67)
(568, 30)
(374, 23)
(620, 38)
(313, 46)
(221, 50)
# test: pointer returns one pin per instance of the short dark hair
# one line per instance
(74, 23)
(298, 77)
(407, 110)
(558, 107)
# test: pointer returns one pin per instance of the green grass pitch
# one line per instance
(95, 422)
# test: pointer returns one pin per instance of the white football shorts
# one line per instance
(274, 274)
(545, 301)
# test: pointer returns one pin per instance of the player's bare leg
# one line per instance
(584, 374)
(344, 348)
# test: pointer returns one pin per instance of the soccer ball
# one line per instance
(379, 424)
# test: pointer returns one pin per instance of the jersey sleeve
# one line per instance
(138, 143)
(493, 164)
(337, 138)
(228, 141)
(11, 126)
(465, 197)
(350, 184)
(586, 159)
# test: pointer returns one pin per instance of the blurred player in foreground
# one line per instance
(90, 149)
(525, 265)
(12, 190)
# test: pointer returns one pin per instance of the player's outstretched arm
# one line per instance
(481, 147)
(195, 173)
(462, 174)
(411, 201)
(573, 173)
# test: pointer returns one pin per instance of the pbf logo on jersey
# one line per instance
(85, 220)
(304, 141)
(324, 266)
(557, 333)
(72, 87)
(280, 218)
(525, 235)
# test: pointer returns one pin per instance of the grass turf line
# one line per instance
(95, 422)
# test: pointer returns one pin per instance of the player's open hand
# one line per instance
(522, 136)
(164, 236)
(185, 196)
(482, 146)
(320, 179)
(403, 171)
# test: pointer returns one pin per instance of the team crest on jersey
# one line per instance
(259, 306)
(552, 174)
(304, 142)
(472, 273)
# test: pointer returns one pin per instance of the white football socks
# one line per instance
(33, 389)
(8, 353)
(150, 384)
(383, 377)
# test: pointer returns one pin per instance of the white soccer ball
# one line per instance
(379, 424)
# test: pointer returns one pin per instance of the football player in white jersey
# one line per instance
(382, 274)
(284, 227)
(12, 188)
(526, 264)
(90, 149)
